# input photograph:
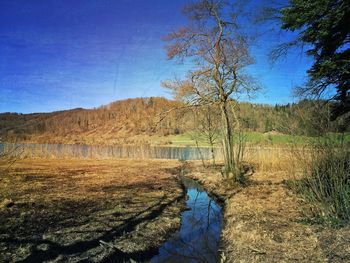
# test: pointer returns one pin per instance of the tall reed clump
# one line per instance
(326, 183)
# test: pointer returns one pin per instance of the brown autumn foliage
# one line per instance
(117, 120)
(132, 120)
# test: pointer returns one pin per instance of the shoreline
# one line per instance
(264, 221)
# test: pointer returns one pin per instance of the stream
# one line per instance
(198, 239)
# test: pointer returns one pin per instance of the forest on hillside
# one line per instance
(162, 117)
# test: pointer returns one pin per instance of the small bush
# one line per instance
(240, 176)
(326, 183)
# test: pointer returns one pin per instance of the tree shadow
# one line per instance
(129, 224)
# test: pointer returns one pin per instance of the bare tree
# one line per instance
(207, 126)
(219, 52)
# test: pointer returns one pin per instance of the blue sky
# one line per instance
(61, 54)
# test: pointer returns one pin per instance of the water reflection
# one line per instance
(199, 236)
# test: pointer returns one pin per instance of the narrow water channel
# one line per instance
(199, 236)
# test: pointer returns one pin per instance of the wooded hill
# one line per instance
(113, 123)
(133, 120)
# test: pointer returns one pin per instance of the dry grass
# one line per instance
(92, 209)
(263, 225)
(59, 203)
(264, 222)
(274, 159)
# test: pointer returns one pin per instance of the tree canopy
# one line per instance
(325, 26)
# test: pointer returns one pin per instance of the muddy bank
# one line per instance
(264, 222)
(104, 211)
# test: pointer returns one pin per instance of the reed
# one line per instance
(271, 159)
(325, 183)
(265, 157)
(109, 152)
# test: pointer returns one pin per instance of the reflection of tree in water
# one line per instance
(199, 236)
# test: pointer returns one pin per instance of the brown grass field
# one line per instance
(106, 209)
(267, 221)
(55, 210)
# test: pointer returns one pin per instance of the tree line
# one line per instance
(144, 116)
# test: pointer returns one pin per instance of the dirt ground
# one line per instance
(87, 210)
(265, 222)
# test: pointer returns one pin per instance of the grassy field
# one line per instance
(252, 138)
(55, 210)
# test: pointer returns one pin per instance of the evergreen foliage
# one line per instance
(324, 26)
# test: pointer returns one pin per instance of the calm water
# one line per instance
(109, 151)
(199, 236)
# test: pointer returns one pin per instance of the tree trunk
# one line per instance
(212, 151)
(200, 152)
(227, 141)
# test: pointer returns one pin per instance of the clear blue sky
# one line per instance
(61, 54)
